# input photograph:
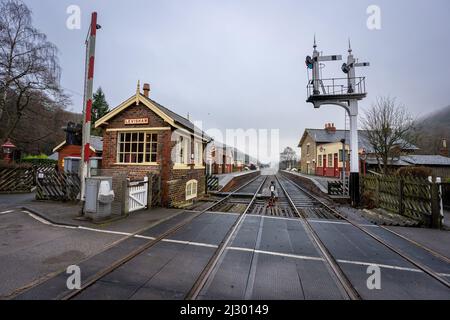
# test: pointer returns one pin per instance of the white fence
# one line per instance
(137, 195)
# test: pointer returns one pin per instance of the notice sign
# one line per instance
(136, 121)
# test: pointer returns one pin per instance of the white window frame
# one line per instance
(191, 189)
(144, 152)
(198, 153)
(184, 146)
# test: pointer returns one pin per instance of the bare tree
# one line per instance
(390, 130)
(288, 158)
(29, 66)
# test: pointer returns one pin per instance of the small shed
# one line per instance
(65, 150)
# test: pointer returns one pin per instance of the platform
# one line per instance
(320, 182)
(226, 178)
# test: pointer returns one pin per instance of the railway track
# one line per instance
(284, 198)
(299, 199)
(292, 187)
(100, 275)
(136, 252)
(293, 202)
(212, 263)
(310, 208)
(304, 206)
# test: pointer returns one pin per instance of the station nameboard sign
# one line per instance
(136, 121)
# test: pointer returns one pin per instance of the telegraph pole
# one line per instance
(87, 105)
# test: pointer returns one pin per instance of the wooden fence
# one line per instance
(446, 195)
(415, 198)
(58, 186)
(155, 190)
(16, 180)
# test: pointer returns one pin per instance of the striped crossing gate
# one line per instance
(212, 183)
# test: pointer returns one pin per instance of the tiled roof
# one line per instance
(430, 160)
(416, 160)
(97, 143)
(179, 119)
(324, 136)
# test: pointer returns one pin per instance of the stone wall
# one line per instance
(311, 157)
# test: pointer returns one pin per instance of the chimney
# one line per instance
(444, 148)
(330, 128)
(146, 90)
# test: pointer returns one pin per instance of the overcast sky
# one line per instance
(240, 63)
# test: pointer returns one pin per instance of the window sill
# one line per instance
(137, 164)
(180, 166)
(191, 197)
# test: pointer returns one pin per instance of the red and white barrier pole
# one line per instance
(87, 112)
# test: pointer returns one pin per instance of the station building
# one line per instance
(322, 151)
(141, 137)
(225, 159)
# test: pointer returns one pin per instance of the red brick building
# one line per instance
(220, 158)
(65, 150)
(141, 136)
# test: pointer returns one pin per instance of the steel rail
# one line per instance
(213, 261)
(419, 265)
(332, 263)
(49, 276)
(99, 275)
(421, 246)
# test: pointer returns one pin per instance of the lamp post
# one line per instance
(8, 148)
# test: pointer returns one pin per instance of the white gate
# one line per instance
(137, 195)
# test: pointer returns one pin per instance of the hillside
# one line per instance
(40, 130)
(432, 129)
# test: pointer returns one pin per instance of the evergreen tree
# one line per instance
(99, 108)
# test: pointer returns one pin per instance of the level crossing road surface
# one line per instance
(227, 255)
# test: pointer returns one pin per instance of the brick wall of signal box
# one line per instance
(173, 181)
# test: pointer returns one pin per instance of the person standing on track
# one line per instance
(272, 190)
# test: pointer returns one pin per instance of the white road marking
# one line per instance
(359, 263)
(105, 231)
(46, 222)
(6, 212)
(341, 222)
(198, 244)
(271, 253)
(144, 237)
(312, 220)
(386, 266)
(223, 213)
(38, 218)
